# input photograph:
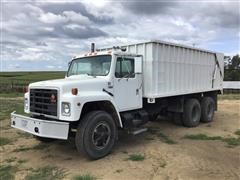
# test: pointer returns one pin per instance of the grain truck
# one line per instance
(122, 88)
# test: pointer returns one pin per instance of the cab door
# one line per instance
(127, 84)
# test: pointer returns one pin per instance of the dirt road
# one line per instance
(167, 154)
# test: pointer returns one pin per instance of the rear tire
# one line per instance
(177, 118)
(208, 108)
(96, 134)
(192, 113)
(153, 117)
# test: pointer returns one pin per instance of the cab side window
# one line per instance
(124, 68)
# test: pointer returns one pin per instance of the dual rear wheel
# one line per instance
(195, 111)
(207, 109)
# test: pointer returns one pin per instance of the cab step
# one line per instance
(136, 131)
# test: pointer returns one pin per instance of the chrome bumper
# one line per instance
(39, 127)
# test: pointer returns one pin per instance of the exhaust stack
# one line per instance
(92, 47)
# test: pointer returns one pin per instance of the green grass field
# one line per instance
(6, 77)
(16, 81)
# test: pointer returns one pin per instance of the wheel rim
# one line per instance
(101, 135)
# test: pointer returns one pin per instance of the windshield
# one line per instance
(94, 66)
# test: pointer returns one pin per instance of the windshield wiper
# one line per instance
(93, 75)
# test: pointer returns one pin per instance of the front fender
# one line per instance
(78, 102)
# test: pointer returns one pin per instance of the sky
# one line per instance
(45, 35)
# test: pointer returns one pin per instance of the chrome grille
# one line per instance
(42, 101)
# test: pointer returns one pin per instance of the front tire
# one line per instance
(96, 134)
(192, 113)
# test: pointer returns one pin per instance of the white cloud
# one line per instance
(76, 17)
(30, 56)
(49, 29)
(50, 67)
(96, 3)
(181, 23)
(74, 26)
(51, 18)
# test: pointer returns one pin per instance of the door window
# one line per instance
(124, 68)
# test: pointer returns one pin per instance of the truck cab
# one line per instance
(97, 85)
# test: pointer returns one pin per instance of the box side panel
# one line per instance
(178, 70)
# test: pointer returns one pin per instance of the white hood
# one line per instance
(82, 82)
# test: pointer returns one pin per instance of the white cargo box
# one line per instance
(172, 69)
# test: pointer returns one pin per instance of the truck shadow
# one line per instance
(125, 143)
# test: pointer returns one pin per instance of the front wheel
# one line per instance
(96, 134)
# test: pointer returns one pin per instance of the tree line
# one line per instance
(232, 68)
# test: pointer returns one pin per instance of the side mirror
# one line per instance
(69, 63)
(138, 65)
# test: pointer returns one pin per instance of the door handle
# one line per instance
(137, 91)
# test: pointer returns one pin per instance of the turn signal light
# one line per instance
(74, 91)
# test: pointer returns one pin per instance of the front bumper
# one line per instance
(39, 127)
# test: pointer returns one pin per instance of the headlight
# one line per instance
(26, 104)
(66, 109)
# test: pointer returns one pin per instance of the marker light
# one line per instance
(74, 91)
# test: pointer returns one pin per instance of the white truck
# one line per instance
(124, 87)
